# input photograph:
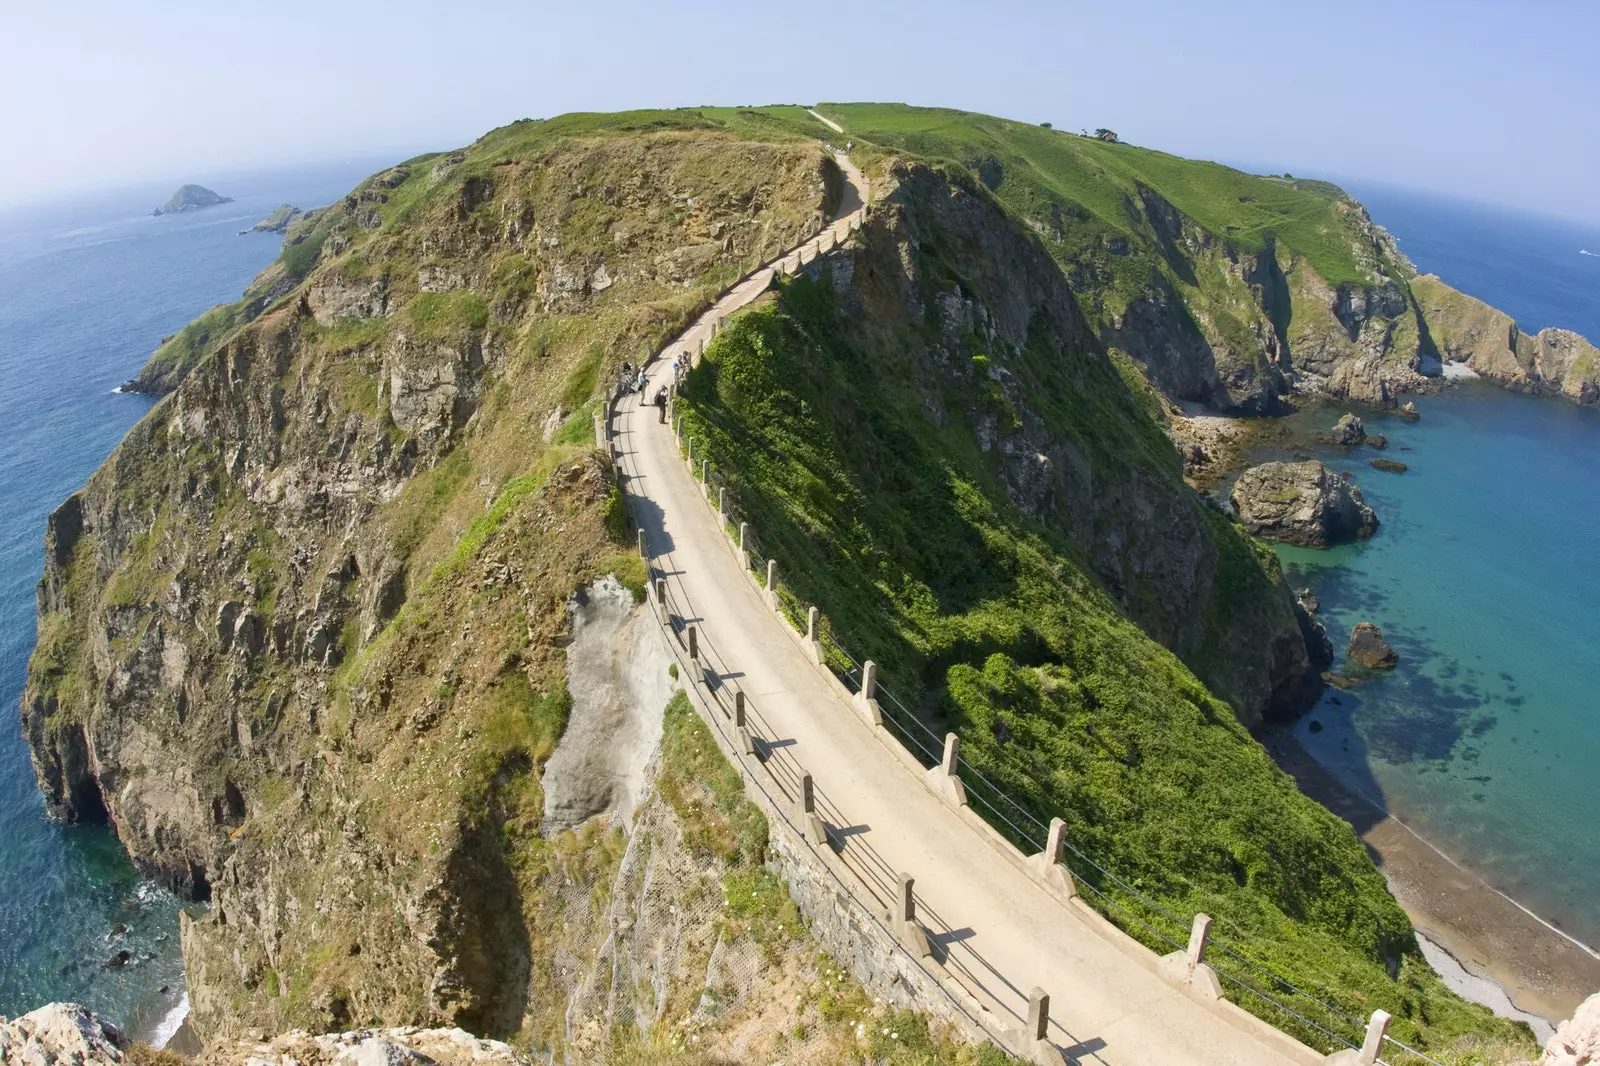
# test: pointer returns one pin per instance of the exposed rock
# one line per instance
(60, 1034)
(1393, 466)
(1319, 646)
(1302, 503)
(282, 217)
(1577, 1041)
(1308, 599)
(370, 1047)
(1368, 648)
(1348, 430)
(1409, 410)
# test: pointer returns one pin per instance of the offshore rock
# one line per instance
(1302, 503)
(1368, 649)
(1348, 431)
(62, 1033)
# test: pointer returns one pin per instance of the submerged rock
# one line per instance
(1348, 430)
(1368, 648)
(1302, 503)
(1394, 466)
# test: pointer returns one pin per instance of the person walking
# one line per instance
(640, 386)
(661, 404)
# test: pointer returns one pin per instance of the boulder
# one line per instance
(1393, 466)
(1309, 601)
(62, 1033)
(1577, 1041)
(371, 1047)
(1348, 430)
(1368, 649)
(1302, 503)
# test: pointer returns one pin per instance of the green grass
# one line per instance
(446, 316)
(991, 624)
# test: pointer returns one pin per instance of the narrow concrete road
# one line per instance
(1003, 933)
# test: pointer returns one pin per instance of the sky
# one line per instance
(1493, 102)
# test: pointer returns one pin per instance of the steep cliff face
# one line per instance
(299, 637)
(1553, 362)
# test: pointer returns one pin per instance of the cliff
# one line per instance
(1552, 362)
(282, 217)
(1226, 289)
(191, 198)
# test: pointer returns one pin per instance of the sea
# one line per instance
(88, 288)
(1485, 577)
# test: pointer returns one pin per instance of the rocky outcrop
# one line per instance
(191, 198)
(405, 1046)
(1348, 431)
(1554, 362)
(1368, 649)
(1302, 503)
(282, 217)
(1577, 1041)
(60, 1034)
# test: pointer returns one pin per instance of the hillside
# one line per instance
(1227, 289)
(310, 637)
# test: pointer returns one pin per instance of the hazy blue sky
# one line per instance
(1491, 101)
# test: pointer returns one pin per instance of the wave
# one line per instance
(1585, 251)
(170, 1022)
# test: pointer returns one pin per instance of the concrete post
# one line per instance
(1047, 865)
(722, 507)
(738, 707)
(906, 902)
(702, 346)
(1376, 1028)
(1038, 1013)
(813, 638)
(661, 593)
(599, 433)
(810, 821)
(1199, 932)
(694, 644)
(744, 552)
(689, 443)
(747, 744)
(772, 583)
(865, 700)
(644, 550)
(705, 475)
(943, 777)
(903, 920)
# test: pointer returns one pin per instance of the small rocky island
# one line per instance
(191, 198)
(282, 217)
(1302, 503)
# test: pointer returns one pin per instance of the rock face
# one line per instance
(1369, 650)
(282, 217)
(1302, 503)
(1348, 431)
(301, 636)
(1554, 362)
(407, 1046)
(191, 198)
(1577, 1041)
(60, 1033)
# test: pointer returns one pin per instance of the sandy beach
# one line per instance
(1489, 937)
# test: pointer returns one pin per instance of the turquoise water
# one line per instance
(1485, 576)
(87, 290)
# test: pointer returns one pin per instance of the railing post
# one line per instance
(1188, 967)
(738, 707)
(722, 507)
(741, 726)
(661, 594)
(644, 550)
(813, 640)
(1038, 1013)
(903, 920)
(1199, 933)
(600, 433)
(866, 699)
(689, 444)
(943, 778)
(1377, 1027)
(694, 644)
(744, 552)
(705, 477)
(772, 583)
(1047, 864)
(816, 832)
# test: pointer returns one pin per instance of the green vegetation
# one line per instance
(446, 316)
(991, 623)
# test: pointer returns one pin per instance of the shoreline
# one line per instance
(1539, 969)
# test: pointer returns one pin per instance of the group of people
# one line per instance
(634, 379)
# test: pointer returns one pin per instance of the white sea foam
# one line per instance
(168, 1026)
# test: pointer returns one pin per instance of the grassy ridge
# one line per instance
(899, 532)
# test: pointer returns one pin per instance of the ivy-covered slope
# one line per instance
(935, 447)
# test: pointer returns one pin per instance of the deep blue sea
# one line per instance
(1485, 576)
(87, 290)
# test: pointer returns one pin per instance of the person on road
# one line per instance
(661, 404)
(639, 386)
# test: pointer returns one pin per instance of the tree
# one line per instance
(1047, 125)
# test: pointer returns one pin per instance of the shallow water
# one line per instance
(87, 290)
(1484, 576)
